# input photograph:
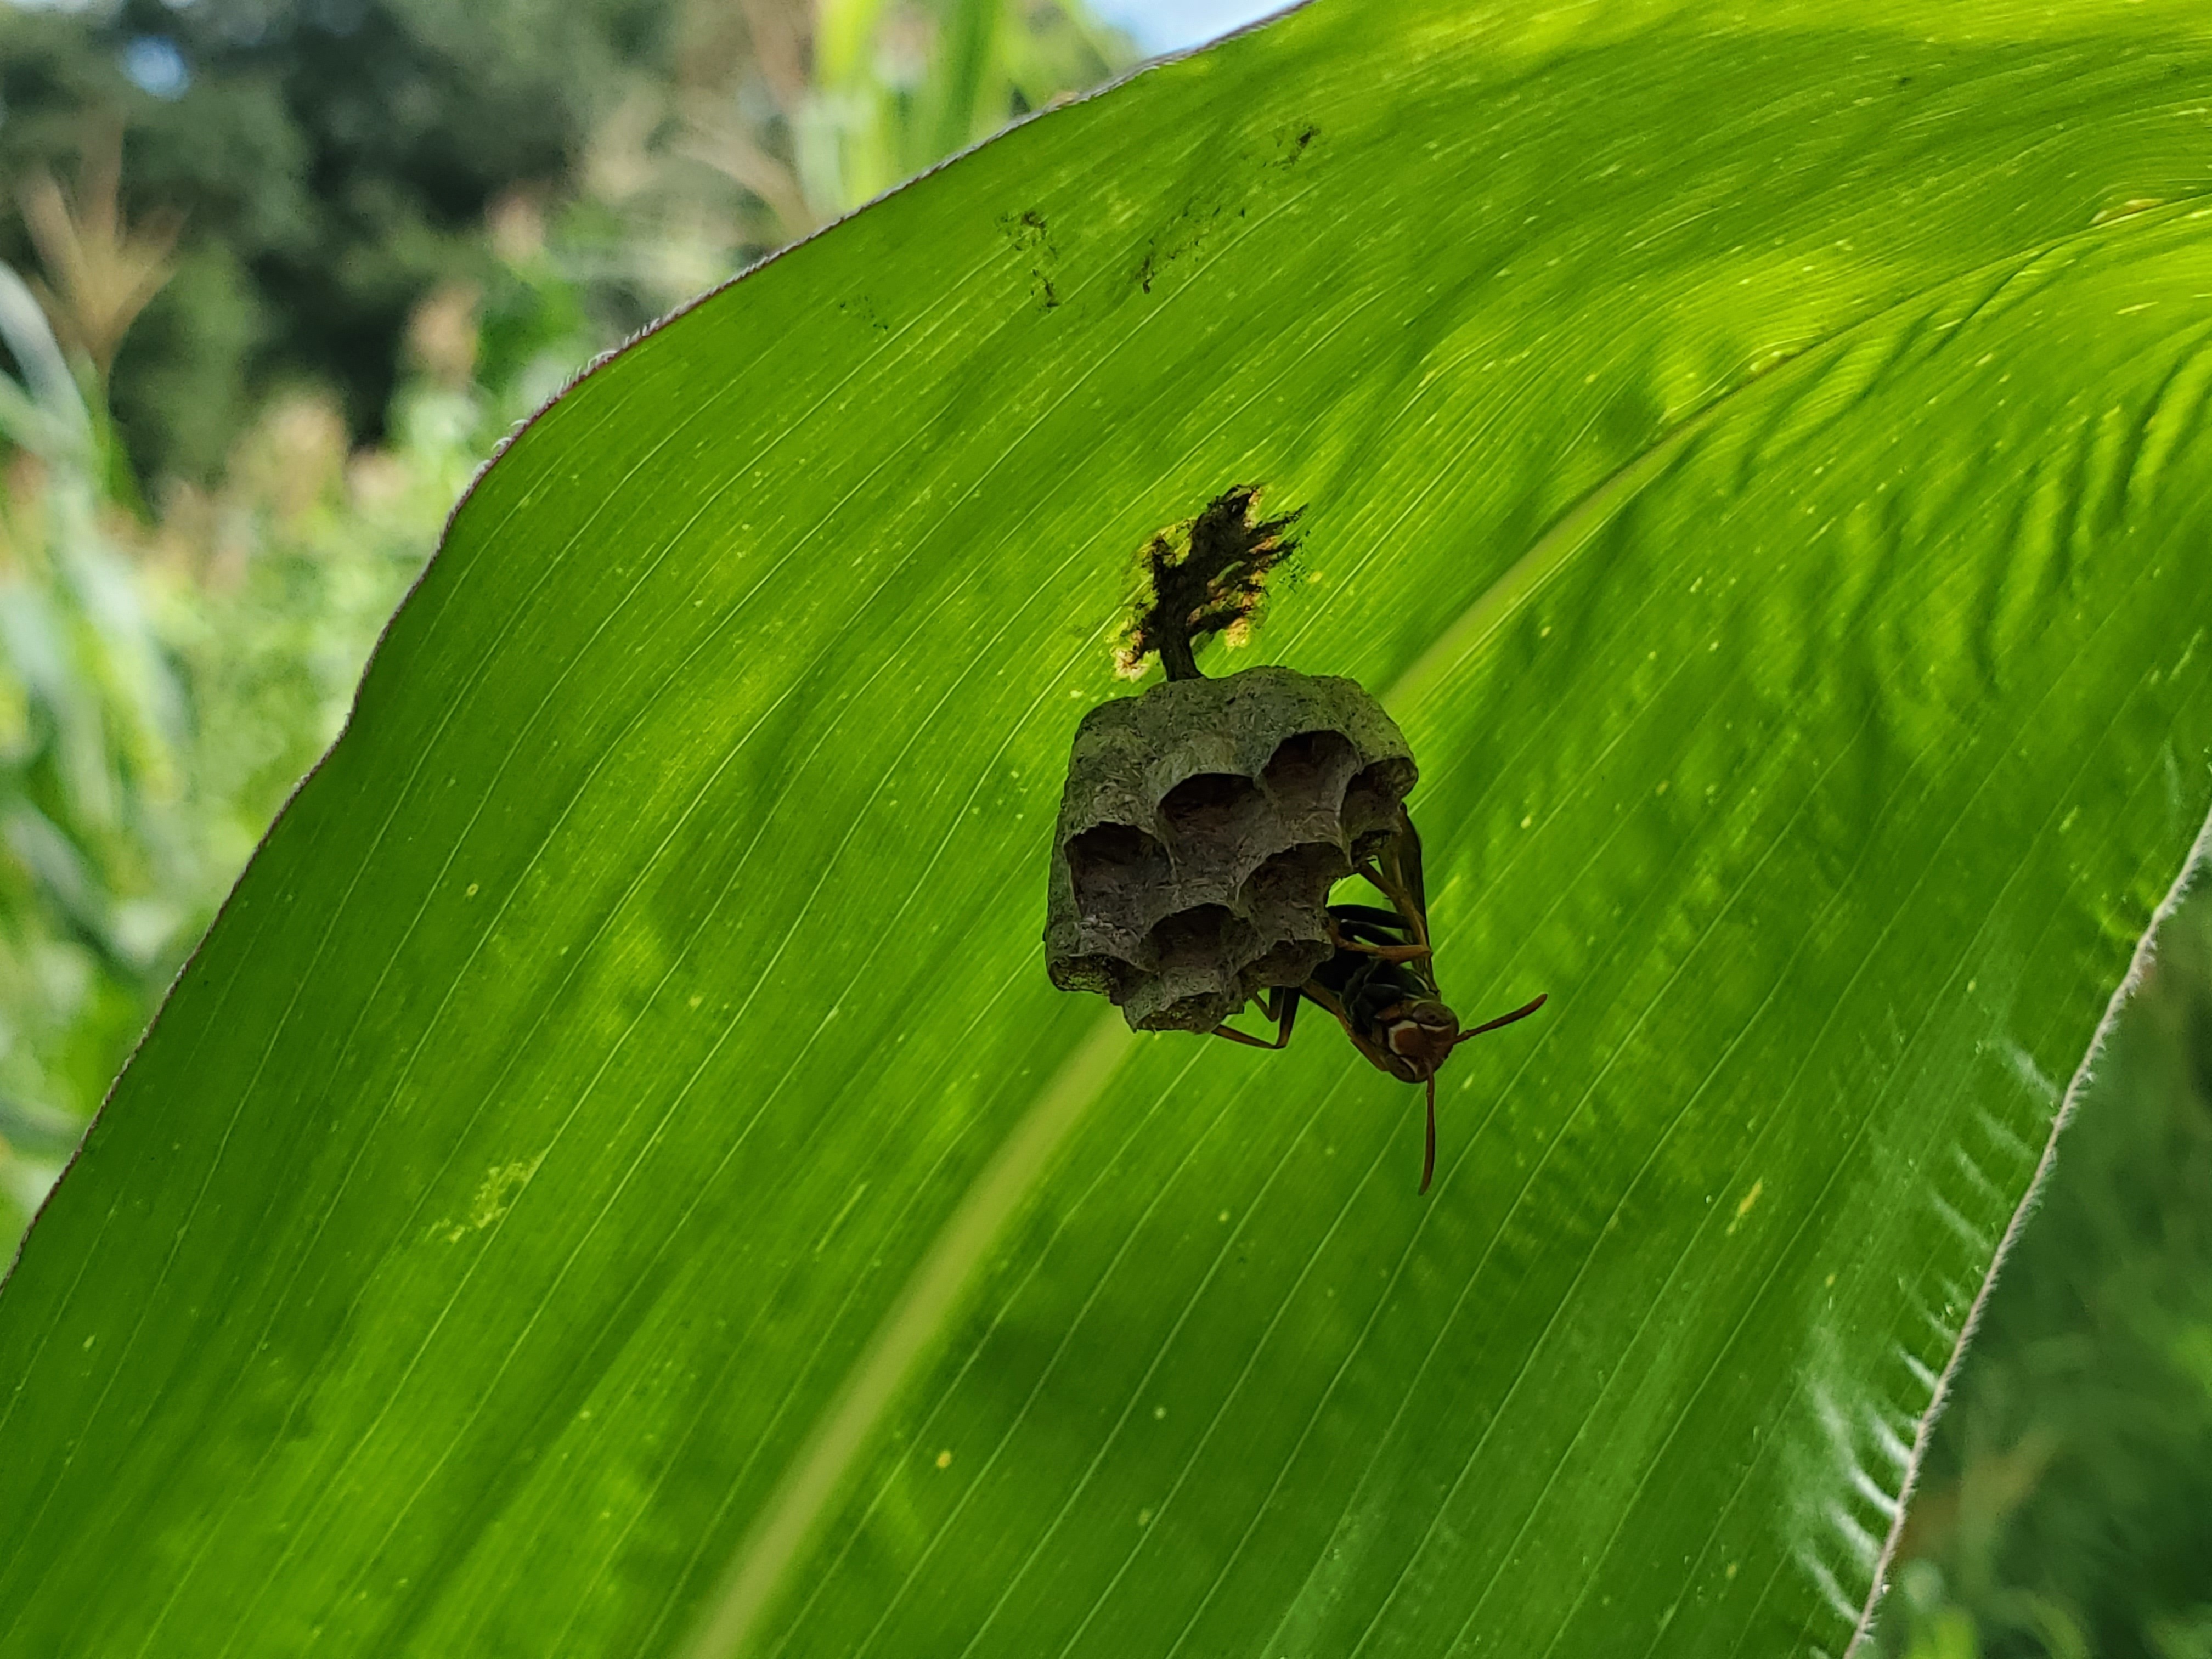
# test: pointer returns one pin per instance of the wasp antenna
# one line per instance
(1429, 1153)
(1503, 1019)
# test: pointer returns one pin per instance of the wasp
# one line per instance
(1380, 981)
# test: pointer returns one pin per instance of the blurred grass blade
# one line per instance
(971, 30)
(616, 1179)
(44, 413)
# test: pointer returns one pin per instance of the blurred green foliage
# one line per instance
(2066, 1505)
(162, 690)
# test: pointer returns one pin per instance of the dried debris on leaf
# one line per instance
(1214, 582)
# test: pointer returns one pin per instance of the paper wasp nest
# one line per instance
(1203, 826)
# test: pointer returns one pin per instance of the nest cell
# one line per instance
(1192, 985)
(1305, 779)
(1219, 826)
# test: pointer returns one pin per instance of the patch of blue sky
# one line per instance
(1172, 24)
(154, 64)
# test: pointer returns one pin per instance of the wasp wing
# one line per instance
(1397, 872)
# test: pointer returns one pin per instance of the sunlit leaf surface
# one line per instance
(617, 1180)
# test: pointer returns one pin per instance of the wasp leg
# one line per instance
(1521, 1012)
(1388, 953)
(1401, 874)
(1397, 873)
(1374, 879)
(1371, 917)
(1282, 1008)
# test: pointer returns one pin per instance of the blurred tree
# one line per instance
(335, 161)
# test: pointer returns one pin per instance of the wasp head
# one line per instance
(1417, 1037)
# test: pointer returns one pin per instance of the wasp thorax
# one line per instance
(1203, 826)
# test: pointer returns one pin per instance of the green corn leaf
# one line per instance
(616, 1180)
